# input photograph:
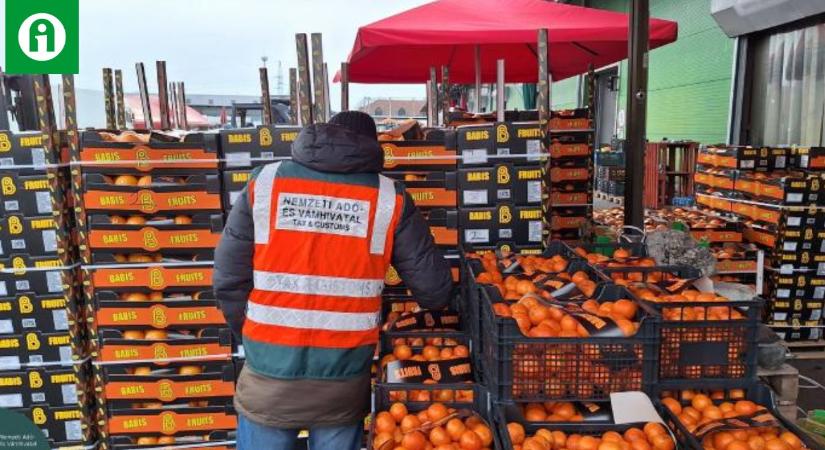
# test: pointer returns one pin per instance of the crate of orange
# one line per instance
(151, 194)
(514, 433)
(432, 425)
(702, 335)
(212, 440)
(140, 152)
(433, 367)
(735, 419)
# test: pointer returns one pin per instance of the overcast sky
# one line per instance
(215, 46)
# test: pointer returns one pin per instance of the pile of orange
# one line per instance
(156, 296)
(143, 180)
(535, 319)
(445, 350)
(141, 220)
(125, 136)
(530, 267)
(437, 341)
(653, 436)
(138, 258)
(436, 427)
(551, 412)
(148, 335)
(619, 258)
(697, 409)
(514, 287)
(692, 313)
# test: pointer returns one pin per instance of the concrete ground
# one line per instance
(815, 369)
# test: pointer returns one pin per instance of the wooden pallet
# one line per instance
(807, 349)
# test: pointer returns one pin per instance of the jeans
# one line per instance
(254, 436)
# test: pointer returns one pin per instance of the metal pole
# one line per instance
(304, 88)
(173, 106)
(433, 113)
(121, 104)
(182, 99)
(327, 102)
(429, 93)
(344, 87)
(293, 96)
(163, 95)
(636, 114)
(109, 99)
(445, 95)
(543, 101)
(319, 110)
(500, 90)
(478, 78)
(144, 96)
(266, 100)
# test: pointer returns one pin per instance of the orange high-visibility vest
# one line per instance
(323, 243)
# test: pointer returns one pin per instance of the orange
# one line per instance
(126, 180)
(118, 220)
(588, 443)
(484, 432)
(516, 432)
(634, 434)
(135, 297)
(431, 353)
(738, 445)
(409, 423)
(609, 445)
(537, 314)
(455, 428)
(756, 442)
(145, 180)
(653, 429)
(134, 334)
(381, 438)
(166, 440)
(398, 411)
(156, 296)
(776, 444)
(437, 411)
(621, 253)
(439, 436)
(712, 413)
(414, 441)
(189, 370)
(183, 220)
(402, 352)
(142, 370)
(745, 407)
(674, 406)
(147, 440)
(791, 439)
(470, 441)
(662, 442)
(384, 422)
(535, 414)
(136, 220)
(612, 436)
(722, 439)
(700, 402)
(625, 308)
(156, 335)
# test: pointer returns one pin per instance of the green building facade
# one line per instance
(689, 87)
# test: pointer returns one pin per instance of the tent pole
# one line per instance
(636, 113)
(304, 83)
(543, 101)
(478, 78)
(445, 95)
(433, 96)
(500, 90)
(319, 108)
(163, 95)
(266, 100)
(344, 86)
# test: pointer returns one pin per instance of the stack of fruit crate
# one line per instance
(149, 215)
(777, 194)
(42, 356)
(570, 181)
(501, 186)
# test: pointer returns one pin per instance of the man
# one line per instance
(299, 273)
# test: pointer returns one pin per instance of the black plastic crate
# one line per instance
(525, 368)
(754, 391)
(504, 414)
(693, 349)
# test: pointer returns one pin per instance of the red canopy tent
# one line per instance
(402, 48)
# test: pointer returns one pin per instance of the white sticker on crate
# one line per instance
(794, 221)
(12, 205)
(74, 432)
(3, 290)
(233, 196)
(780, 162)
(69, 394)
(6, 326)
(503, 194)
(18, 244)
(535, 229)
(54, 281)
(819, 292)
(820, 269)
(9, 362)
(29, 323)
(474, 197)
(505, 233)
(39, 158)
(794, 198)
(816, 315)
(22, 285)
(38, 397)
(534, 191)
(474, 156)
(475, 236)
(322, 214)
(6, 162)
(65, 353)
(748, 164)
(61, 319)
(36, 359)
(1, 249)
(50, 240)
(789, 247)
(44, 202)
(533, 148)
(780, 316)
(238, 159)
(783, 293)
(803, 161)
(11, 401)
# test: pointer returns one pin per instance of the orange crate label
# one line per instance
(717, 236)
(156, 278)
(572, 198)
(559, 150)
(169, 423)
(569, 174)
(746, 186)
(161, 350)
(150, 202)
(769, 190)
(735, 266)
(705, 158)
(143, 158)
(160, 316)
(429, 155)
(760, 237)
(702, 178)
(566, 222)
(168, 390)
(432, 196)
(444, 235)
(151, 239)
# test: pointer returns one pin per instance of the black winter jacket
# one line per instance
(330, 148)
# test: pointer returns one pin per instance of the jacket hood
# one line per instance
(332, 148)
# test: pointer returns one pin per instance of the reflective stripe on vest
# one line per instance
(262, 202)
(317, 285)
(383, 215)
(317, 320)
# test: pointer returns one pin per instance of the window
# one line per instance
(378, 112)
(401, 112)
(788, 90)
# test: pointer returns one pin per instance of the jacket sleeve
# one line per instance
(232, 276)
(418, 261)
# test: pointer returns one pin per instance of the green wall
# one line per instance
(689, 80)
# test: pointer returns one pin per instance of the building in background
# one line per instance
(381, 108)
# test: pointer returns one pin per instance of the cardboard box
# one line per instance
(30, 312)
(487, 226)
(429, 189)
(196, 193)
(62, 425)
(176, 278)
(569, 217)
(505, 182)
(36, 347)
(253, 147)
(56, 386)
(786, 188)
(32, 195)
(36, 236)
(420, 155)
(513, 142)
(210, 344)
(795, 309)
(24, 152)
(32, 274)
(805, 285)
(196, 153)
